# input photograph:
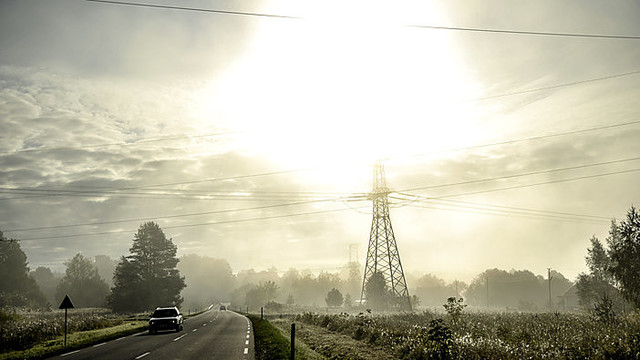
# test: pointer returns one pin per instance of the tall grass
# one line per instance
(21, 330)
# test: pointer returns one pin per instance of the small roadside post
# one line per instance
(293, 342)
(66, 304)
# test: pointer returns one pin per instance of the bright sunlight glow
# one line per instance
(353, 87)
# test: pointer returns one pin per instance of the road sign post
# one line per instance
(66, 304)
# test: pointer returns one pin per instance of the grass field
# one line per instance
(473, 336)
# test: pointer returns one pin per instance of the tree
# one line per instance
(148, 277)
(17, 288)
(82, 283)
(432, 290)
(262, 294)
(377, 292)
(599, 283)
(106, 268)
(208, 280)
(625, 256)
(47, 282)
(334, 298)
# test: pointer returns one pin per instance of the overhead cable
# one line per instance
(420, 26)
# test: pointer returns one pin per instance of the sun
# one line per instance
(345, 88)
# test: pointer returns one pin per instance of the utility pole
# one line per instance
(549, 277)
(382, 253)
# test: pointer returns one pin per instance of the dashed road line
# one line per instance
(194, 330)
(246, 342)
(69, 353)
(179, 337)
(141, 356)
(104, 343)
(246, 351)
(247, 336)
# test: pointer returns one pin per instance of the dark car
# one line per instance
(165, 318)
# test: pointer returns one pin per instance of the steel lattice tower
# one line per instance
(382, 253)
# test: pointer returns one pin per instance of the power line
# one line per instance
(523, 174)
(124, 143)
(506, 142)
(514, 141)
(351, 208)
(164, 216)
(433, 27)
(506, 210)
(240, 132)
(539, 183)
(551, 87)
(509, 214)
(222, 12)
(192, 225)
(428, 199)
(520, 32)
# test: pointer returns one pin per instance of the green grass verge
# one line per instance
(76, 341)
(270, 342)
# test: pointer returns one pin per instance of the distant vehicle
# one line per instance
(222, 307)
(165, 318)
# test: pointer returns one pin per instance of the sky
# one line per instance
(253, 138)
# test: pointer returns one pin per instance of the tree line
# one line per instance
(151, 275)
(144, 279)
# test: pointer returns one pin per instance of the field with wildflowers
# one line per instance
(486, 335)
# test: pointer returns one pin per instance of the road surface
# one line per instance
(212, 335)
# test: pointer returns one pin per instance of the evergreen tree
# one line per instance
(148, 277)
(334, 298)
(17, 288)
(125, 293)
(82, 283)
(377, 292)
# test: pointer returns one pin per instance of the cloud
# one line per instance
(119, 40)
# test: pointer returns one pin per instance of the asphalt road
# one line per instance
(212, 335)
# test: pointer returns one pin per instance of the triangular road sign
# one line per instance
(66, 303)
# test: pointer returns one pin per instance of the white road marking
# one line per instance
(246, 342)
(120, 338)
(179, 337)
(194, 330)
(204, 324)
(104, 343)
(246, 351)
(248, 332)
(141, 356)
(247, 336)
(69, 353)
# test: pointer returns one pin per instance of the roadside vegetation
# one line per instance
(36, 335)
(272, 343)
(483, 335)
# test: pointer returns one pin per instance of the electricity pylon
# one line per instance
(382, 253)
